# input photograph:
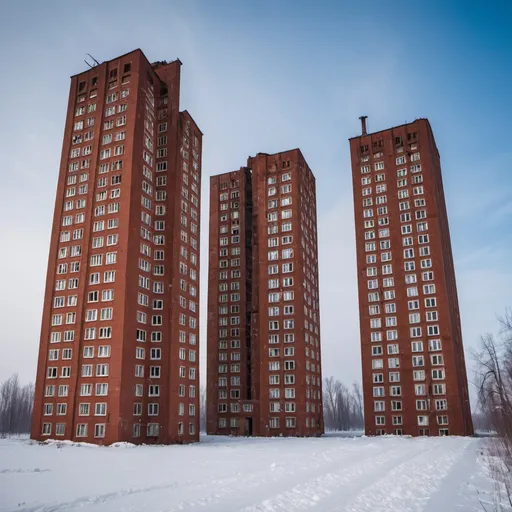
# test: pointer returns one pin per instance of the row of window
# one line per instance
(402, 194)
(389, 282)
(422, 420)
(414, 332)
(283, 201)
(82, 429)
(109, 276)
(400, 160)
(417, 361)
(379, 189)
(272, 180)
(70, 318)
(416, 346)
(440, 404)
(400, 173)
(390, 307)
(422, 432)
(101, 389)
(414, 318)
(382, 212)
(419, 389)
(428, 289)
(394, 377)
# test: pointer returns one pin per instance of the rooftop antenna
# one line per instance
(363, 124)
(96, 63)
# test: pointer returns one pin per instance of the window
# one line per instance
(432, 316)
(442, 420)
(439, 389)
(81, 430)
(434, 345)
(433, 330)
(104, 351)
(421, 405)
(153, 429)
(395, 390)
(441, 405)
(417, 346)
(100, 409)
(102, 370)
(101, 389)
(377, 350)
(378, 391)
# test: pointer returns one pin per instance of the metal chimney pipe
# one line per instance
(363, 124)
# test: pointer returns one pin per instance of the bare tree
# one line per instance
(481, 422)
(330, 403)
(494, 383)
(343, 408)
(202, 409)
(358, 405)
(16, 403)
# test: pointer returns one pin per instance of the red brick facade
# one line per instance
(414, 373)
(119, 349)
(263, 343)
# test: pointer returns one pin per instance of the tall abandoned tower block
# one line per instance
(414, 374)
(264, 367)
(118, 358)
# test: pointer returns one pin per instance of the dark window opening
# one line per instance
(378, 144)
(127, 67)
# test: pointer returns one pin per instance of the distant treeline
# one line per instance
(343, 407)
(16, 404)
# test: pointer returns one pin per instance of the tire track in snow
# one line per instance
(227, 485)
(312, 492)
(408, 487)
(99, 499)
(459, 482)
(301, 496)
(266, 479)
(236, 482)
(35, 470)
(382, 478)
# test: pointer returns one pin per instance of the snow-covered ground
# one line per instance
(327, 474)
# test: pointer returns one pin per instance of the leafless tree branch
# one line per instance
(343, 408)
(16, 403)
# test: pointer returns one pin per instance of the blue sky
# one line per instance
(269, 76)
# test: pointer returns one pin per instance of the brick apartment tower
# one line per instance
(118, 357)
(414, 373)
(264, 371)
